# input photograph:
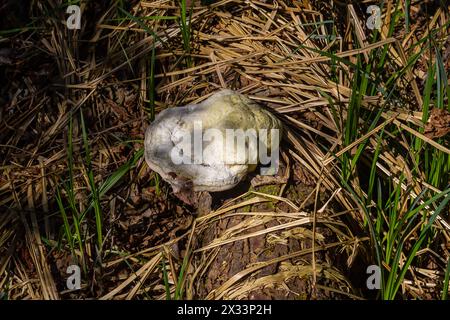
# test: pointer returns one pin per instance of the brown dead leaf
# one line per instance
(438, 124)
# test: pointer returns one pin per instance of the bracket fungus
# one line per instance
(213, 145)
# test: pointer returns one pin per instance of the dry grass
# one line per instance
(123, 67)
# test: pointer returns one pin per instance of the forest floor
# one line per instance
(364, 175)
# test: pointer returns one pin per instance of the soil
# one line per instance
(239, 255)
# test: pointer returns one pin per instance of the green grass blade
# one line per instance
(94, 193)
